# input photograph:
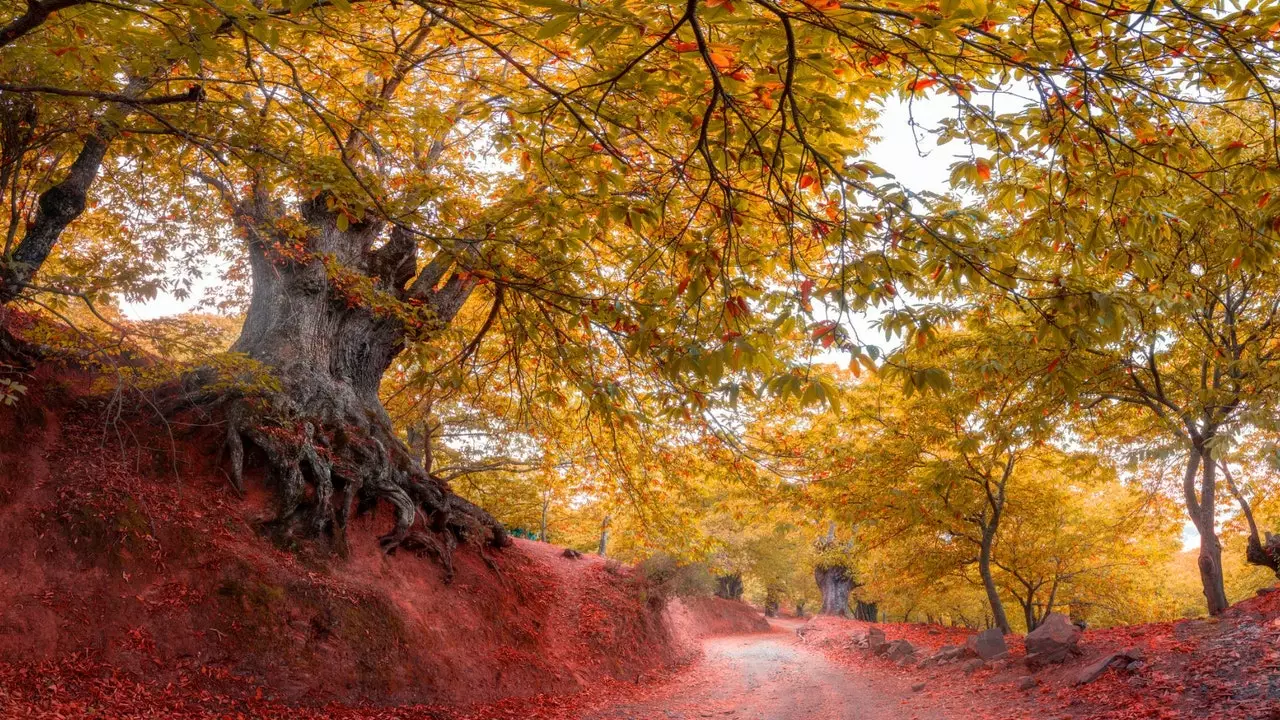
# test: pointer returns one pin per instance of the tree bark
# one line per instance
(772, 599)
(835, 583)
(37, 12)
(1210, 560)
(867, 612)
(324, 430)
(989, 582)
(1263, 553)
(542, 530)
(604, 537)
(729, 586)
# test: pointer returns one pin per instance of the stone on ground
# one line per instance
(988, 644)
(1052, 642)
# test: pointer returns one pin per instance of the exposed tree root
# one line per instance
(330, 455)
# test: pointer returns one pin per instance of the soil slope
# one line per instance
(134, 583)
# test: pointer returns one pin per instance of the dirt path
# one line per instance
(771, 676)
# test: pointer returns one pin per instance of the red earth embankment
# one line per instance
(692, 619)
(1222, 668)
(134, 583)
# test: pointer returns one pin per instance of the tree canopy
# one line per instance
(620, 245)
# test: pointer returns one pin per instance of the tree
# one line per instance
(1165, 298)
(670, 186)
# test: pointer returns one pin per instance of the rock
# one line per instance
(875, 641)
(1035, 661)
(899, 650)
(972, 665)
(1053, 641)
(1265, 590)
(947, 654)
(917, 687)
(986, 644)
(571, 553)
(1026, 683)
(1092, 671)
(1130, 659)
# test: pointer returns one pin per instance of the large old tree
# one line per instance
(649, 197)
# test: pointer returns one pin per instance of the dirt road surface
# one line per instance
(773, 676)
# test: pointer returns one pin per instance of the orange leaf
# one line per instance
(984, 169)
(684, 47)
(922, 84)
(823, 328)
(720, 60)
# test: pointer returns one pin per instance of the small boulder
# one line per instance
(875, 641)
(972, 665)
(571, 553)
(899, 650)
(1130, 659)
(1053, 641)
(1026, 683)
(1035, 661)
(947, 654)
(987, 644)
(917, 687)
(1092, 671)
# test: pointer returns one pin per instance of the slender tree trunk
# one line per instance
(65, 200)
(542, 530)
(604, 537)
(989, 582)
(1201, 510)
(1259, 552)
(1210, 560)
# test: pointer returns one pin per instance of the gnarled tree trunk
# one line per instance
(835, 583)
(729, 586)
(316, 322)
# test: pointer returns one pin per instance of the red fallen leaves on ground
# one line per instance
(80, 687)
